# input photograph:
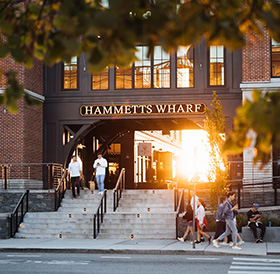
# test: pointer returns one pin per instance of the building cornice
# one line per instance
(274, 84)
(34, 95)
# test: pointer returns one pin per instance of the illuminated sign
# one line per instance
(149, 109)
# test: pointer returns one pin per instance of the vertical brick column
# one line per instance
(21, 139)
(256, 59)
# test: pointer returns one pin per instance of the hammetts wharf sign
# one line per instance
(148, 109)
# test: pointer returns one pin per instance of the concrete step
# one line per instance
(66, 235)
(165, 236)
(137, 226)
(146, 215)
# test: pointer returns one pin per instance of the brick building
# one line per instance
(78, 108)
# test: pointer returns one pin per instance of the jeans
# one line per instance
(230, 229)
(75, 182)
(100, 182)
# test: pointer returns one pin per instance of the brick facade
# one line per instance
(256, 59)
(21, 133)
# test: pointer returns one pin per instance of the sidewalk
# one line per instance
(133, 247)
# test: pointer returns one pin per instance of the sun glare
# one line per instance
(195, 159)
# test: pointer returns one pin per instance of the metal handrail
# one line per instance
(60, 190)
(100, 212)
(14, 226)
(120, 186)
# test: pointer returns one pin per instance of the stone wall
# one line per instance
(38, 201)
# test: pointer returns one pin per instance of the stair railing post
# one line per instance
(94, 226)
(27, 199)
(5, 177)
(105, 202)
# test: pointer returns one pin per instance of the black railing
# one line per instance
(99, 215)
(117, 191)
(178, 206)
(264, 191)
(19, 212)
(60, 190)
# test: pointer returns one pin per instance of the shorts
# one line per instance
(190, 223)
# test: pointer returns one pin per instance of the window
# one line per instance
(216, 66)
(185, 65)
(275, 59)
(124, 78)
(100, 80)
(147, 72)
(161, 68)
(70, 70)
(142, 69)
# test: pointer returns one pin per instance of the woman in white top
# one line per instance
(200, 217)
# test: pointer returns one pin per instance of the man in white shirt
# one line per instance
(100, 165)
(75, 172)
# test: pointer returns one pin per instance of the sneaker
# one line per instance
(181, 239)
(257, 240)
(73, 197)
(78, 195)
(202, 239)
(216, 244)
(209, 240)
(230, 244)
(240, 242)
(197, 242)
(224, 243)
(236, 247)
(260, 240)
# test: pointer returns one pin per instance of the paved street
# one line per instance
(134, 263)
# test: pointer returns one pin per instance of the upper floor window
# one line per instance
(185, 66)
(216, 66)
(275, 59)
(147, 72)
(100, 80)
(70, 74)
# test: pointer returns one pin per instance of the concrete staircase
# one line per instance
(73, 220)
(142, 214)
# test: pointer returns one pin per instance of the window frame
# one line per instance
(133, 76)
(272, 76)
(99, 89)
(208, 67)
(176, 69)
(78, 66)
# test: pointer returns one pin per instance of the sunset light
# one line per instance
(195, 160)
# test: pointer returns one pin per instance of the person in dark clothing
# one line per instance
(189, 217)
(254, 220)
(220, 220)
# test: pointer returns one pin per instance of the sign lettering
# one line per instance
(150, 109)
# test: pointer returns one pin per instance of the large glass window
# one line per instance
(147, 72)
(161, 68)
(142, 69)
(216, 66)
(124, 78)
(70, 70)
(185, 66)
(100, 80)
(275, 59)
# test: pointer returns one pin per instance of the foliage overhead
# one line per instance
(57, 30)
(261, 116)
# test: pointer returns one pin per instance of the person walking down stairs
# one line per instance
(75, 172)
(100, 164)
